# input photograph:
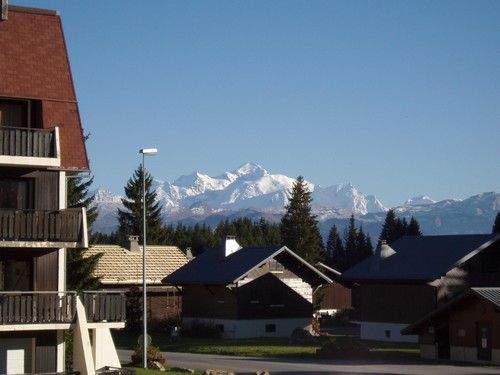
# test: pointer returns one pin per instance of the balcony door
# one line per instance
(16, 275)
(16, 193)
(14, 113)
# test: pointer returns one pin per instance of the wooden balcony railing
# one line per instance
(60, 307)
(41, 143)
(37, 225)
(104, 306)
(37, 307)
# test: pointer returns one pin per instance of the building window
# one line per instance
(16, 193)
(14, 113)
(387, 333)
(270, 328)
(254, 296)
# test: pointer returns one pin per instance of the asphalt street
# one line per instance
(249, 365)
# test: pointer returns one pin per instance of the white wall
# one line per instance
(428, 351)
(104, 349)
(251, 328)
(377, 331)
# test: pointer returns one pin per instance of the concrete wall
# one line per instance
(428, 351)
(377, 331)
(255, 327)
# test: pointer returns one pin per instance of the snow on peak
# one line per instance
(249, 169)
(419, 201)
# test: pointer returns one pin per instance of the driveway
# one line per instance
(249, 365)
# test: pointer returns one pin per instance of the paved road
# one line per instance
(248, 365)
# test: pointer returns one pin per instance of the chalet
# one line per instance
(248, 292)
(466, 328)
(120, 269)
(335, 296)
(403, 282)
(41, 145)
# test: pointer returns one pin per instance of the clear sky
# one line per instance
(399, 98)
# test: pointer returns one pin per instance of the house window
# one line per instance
(14, 113)
(387, 333)
(277, 299)
(275, 266)
(254, 296)
(270, 328)
(16, 193)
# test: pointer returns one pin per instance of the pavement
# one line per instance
(295, 366)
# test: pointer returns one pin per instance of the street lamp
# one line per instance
(145, 152)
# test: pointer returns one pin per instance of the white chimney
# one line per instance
(4, 10)
(385, 250)
(189, 253)
(231, 246)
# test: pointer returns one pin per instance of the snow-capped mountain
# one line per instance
(248, 187)
(251, 191)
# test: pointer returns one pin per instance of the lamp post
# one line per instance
(145, 152)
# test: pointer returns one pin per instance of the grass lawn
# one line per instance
(263, 347)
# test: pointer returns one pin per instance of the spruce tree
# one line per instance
(351, 244)
(80, 269)
(130, 220)
(413, 228)
(299, 227)
(496, 224)
(335, 249)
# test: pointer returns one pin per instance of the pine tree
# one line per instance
(413, 228)
(130, 220)
(351, 244)
(496, 224)
(299, 227)
(80, 269)
(335, 249)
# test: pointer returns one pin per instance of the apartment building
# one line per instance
(41, 146)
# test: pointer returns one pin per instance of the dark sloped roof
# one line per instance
(489, 294)
(420, 258)
(213, 268)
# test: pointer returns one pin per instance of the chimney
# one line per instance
(383, 251)
(133, 243)
(5, 10)
(231, 246)
(189, 253)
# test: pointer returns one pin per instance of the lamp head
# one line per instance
(148, 151)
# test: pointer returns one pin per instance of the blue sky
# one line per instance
(398, 97)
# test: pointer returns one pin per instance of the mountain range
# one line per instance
(251, 191)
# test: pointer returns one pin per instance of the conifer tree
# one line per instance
(130, 219)
(351, 244)
(496, 224)
(413, 228)
(335, 249)
(80, 269)
(299, 227)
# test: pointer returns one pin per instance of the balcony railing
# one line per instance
(39, 143)
(104, 306)
(60, 307)
(65, 226)
(37, 307)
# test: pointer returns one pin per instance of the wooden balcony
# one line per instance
(21, 308)
(29, 147)
(38, 228)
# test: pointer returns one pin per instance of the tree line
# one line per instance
(297, 230)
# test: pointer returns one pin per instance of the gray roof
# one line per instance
(420, 258)
(489, 294)
(213, 268)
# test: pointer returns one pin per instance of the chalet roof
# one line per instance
(491, 295)
(212, 267)
(420, 258)
(119, 265)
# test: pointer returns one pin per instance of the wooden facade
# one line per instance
(335, 296)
